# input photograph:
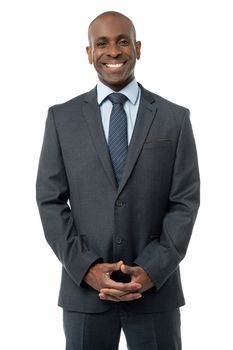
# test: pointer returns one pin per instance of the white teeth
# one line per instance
(117, 65)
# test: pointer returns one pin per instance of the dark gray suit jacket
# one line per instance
(147, 221)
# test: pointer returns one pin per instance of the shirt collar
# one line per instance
(131, 91)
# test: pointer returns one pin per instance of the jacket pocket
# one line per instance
(159, 143)
(155, 236)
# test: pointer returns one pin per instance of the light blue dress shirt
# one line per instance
(132, 91)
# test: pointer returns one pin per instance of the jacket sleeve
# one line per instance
(161, 258)
(52, 194)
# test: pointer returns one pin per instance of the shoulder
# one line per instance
(164, 106)
(71, 110)
(74, 103)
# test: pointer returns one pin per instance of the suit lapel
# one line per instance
(91, 112)
(146, 113)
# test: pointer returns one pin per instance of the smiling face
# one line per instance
(113, 49)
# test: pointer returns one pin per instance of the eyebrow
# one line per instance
(118, 37)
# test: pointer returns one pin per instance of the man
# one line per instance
(126, 161)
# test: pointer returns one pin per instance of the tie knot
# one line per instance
(117, 98)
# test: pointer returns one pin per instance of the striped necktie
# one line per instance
(118, 137)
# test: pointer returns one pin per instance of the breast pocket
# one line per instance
(156, 163)
(159, 143)
(154, 236)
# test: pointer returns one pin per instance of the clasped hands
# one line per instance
(99, 278)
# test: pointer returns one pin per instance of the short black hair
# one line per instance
(111, 13)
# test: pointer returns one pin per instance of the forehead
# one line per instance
(110, 27)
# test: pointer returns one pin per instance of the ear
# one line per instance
(89, 54)
(138, 49)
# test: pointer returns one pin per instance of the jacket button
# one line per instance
(118, 240)
(119, 203)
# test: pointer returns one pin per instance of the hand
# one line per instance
(99, 277)
(138, 275)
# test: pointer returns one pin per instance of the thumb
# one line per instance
(127, 269)
(114, 267)
(117, 266)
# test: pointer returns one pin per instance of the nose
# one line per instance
(114, 50)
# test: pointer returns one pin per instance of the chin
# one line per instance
(116, 82)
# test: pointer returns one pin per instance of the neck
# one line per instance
(119, 86)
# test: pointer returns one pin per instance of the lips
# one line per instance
(114, 67)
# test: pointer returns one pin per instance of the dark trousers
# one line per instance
(154, 331)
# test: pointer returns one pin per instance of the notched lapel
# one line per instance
(146, 114)
(91, 112)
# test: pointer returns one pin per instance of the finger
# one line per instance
(132, 287)
(126, 297)
(112, 267)
(127, 269)
(108, 297)
(124, 287)
(113, 292)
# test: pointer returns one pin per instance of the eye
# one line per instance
(124, 42)
(101, 44)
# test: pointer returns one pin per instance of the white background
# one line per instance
(187, 58)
